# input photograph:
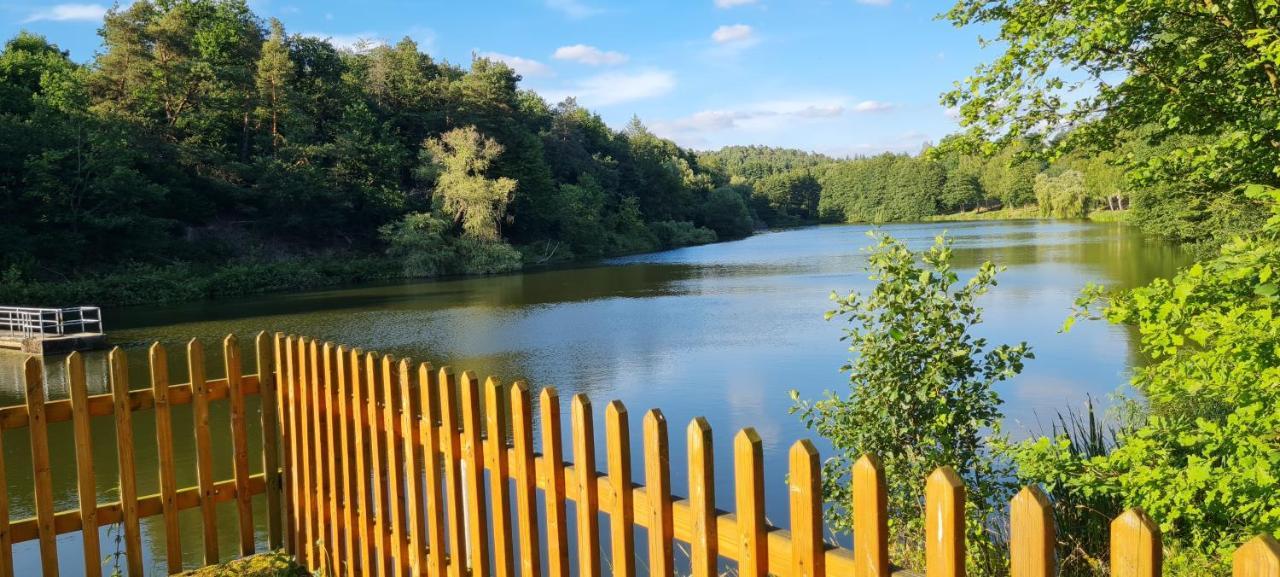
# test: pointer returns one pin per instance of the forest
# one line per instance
(203, 146)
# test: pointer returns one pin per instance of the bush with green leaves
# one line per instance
(920, 395)
(1202, 455)
(425, 247)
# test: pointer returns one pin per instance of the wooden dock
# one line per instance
(46, 331)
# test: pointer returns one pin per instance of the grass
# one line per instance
(1021, 212)
(276, 564)
(1109, 216)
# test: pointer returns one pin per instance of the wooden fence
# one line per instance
(121, 403)
(376, 466)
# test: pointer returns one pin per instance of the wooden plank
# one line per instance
(6, 535)
(204, 450)
(807, 559)
(703, 546)
(345, 453)
(313, 474)
(411, 421)
(429, 401)
(944, 524)
(622, 520)
(86, 489)
(394, 467)
(524, 471)
(587, 506)
(270, 436)
(870, 518)
(359, 407)
(293, 450)
(452, 445)
(553, 484)
(164, 447)
(42, 474)
(1136, 548)
(1260, 557)
(657, 474)
(499, 485)
(1031, 534)
(748, 476)
(332, 458)
(284, 391)
(473, 476)
(239, 442)
(377, 453)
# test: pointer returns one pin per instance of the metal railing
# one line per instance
(43, 323)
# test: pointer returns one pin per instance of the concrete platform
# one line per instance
(54, 345)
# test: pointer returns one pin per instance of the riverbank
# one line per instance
(1029, 212)
(190, 282)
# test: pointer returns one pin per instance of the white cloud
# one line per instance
(734, 34)
(572, 8)
(733, 3)
(952, 112)
(522, 66)
(68, 13)
(589, 55)
(358, 42)
(756, 118)
(616, 87)
(872, 106)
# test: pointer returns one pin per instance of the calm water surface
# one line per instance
(722, 331)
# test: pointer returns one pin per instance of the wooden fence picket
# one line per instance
(553, 484)
(41, 470)
(239, 441)
(495, 452)
(526, 479)
(870, 518)
(808, 557)
(704, 547)
(1260, 557)
(753, 545)
(1032, 535)
(204, 449)
(86, 487)
(164, 446)
(657, 475)
(622, 517)
(944, 524)
(1136, 549)
(429, 399)
(268, 381)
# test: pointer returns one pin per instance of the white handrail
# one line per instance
(32, 322)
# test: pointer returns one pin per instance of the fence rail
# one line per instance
(42, 323)
(376, 466)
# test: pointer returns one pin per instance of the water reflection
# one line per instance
(722, 330)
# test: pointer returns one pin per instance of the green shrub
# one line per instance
(1202, 456)
(920, 395)
(673, 234)
(425, 246)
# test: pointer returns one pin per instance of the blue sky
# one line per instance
(842, 77)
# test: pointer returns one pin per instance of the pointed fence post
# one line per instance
(870, 518)
(1136, 550)
(1032, 535)
(1260, 557)
(944, 524)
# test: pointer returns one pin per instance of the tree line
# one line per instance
(201, 134)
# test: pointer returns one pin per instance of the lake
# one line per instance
(722, 331)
